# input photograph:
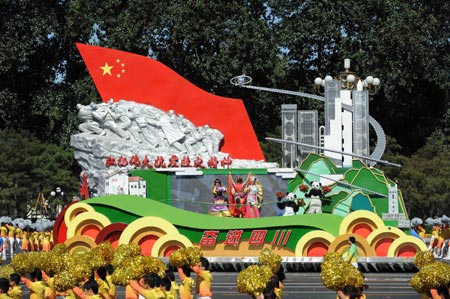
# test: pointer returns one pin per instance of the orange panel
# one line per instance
(317, 249)
(382, 246)
(362, 229)
(90, 231)
(407, 251)
(147, 243)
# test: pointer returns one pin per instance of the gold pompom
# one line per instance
(101, 255)
(185, 256)
(193, 255)
(125, 252)
(423, 258)
(5, 271)
(178, 258)
(336, 273)
(46, 263)
(417, 283)
(332, 257)
(135, 267)
(119, 277)
(253, 280)
(23, 263)
(154, 265)
(431, 276)
(140, 265)
(64, 281)
(270, 259)
(60, 249)
(78, 266)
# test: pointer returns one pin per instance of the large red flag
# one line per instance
(122, 75)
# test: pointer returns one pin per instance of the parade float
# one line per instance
(151, 152)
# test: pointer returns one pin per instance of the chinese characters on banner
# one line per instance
(233, 237)
(159, 162)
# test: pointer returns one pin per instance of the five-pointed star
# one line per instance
(107, 69)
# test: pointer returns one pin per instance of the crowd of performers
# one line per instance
(22, 235)
(241, 200)
(97, 273)
(435, 232)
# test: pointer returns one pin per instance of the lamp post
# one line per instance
(350, 81)
(57, 202)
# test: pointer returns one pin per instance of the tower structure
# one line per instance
(346, 114)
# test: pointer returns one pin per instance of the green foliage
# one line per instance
(28, 166)
(272, 150)
(424, 178)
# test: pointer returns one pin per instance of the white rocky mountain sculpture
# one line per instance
(118, 131)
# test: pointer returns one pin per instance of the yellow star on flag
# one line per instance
(107, 69)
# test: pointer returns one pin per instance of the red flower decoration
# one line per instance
(326, 189)
(280, 195)
(303, 188)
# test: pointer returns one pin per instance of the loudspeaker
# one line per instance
(308, 131)
(289, 132)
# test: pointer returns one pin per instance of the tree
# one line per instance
(423, 178)
(405, 44)
(27, 167)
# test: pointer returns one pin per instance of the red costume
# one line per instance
(237, 197)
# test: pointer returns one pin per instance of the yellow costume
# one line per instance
(4, 236)
(103, 288)
(175, 290)
(187, 284)
(204, 281)
(37, 288)
(131, 293)
(46, 243)
(155, 293)
(112, 287)
(15, 292)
